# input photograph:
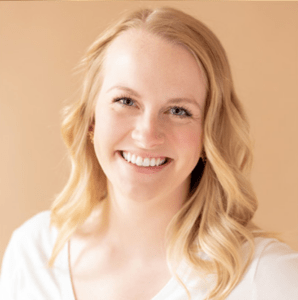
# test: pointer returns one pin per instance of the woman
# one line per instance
(159, 203)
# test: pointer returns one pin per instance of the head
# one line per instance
(220, 198)
(150, 107)
(187, 33)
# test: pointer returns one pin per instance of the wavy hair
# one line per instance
(217, 217)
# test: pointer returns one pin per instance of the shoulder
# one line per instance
(275, 261)
(273, 273)
(271, 254)
(36, 224)
(36, 234)
(25, 273)
(276, 247)
(36, 227)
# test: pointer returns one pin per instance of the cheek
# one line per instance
(109, 128)
(190, 141)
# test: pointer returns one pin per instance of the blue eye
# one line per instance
(180, 112)
(125, 101)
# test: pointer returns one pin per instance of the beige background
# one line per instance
(41, 43)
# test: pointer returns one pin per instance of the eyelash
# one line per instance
(118, 100)
(186, 113)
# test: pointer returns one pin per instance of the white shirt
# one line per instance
(272, 275)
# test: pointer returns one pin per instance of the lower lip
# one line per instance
(145, 170)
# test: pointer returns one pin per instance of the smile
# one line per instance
(143, 162)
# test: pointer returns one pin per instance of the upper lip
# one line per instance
(145, 155)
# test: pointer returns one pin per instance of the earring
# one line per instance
(91, 136)
(91, 133)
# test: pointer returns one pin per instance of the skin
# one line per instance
(144, 73)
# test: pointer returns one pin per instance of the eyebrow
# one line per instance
(178, 100)
(124, 88)
(185, 100)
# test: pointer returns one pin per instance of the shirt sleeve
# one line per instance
(276, 274)
(9, 271)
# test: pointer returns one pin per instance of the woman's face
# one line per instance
(148, 120)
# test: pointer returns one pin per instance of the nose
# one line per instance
(148, 132)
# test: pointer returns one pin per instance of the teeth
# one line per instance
(139, 161)
(146, 162)
(125, 155)
(152, 162)
(162, 161)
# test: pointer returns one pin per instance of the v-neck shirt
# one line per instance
(272, 274)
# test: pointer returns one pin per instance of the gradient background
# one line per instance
(42, 42)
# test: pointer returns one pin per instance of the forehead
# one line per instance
(137, 56)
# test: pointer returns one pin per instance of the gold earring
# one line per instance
(91, 133)
(91, 136)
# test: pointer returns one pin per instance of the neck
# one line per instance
(138, 225)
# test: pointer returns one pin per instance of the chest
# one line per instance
(98, 276)
(122, 285)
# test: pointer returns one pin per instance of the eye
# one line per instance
(125, 101)
(180, 112)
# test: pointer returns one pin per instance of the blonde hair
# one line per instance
(216, 219)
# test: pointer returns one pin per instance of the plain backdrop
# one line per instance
(42, 42)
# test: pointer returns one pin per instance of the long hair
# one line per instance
(216, 218)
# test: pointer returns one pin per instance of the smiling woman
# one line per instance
(159, 204)
(137, 113)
